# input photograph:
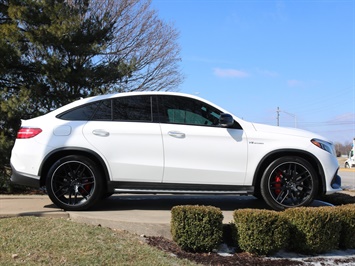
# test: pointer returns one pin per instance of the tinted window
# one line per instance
(182, 110)
(132, 108)
(104, 111)
(83, 113)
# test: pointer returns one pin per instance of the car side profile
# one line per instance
(165, 142)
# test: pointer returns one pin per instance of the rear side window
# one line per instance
(82, 113)
(129, 109)
(103, 111)
(133, 108)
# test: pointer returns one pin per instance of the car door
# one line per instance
(122, 130)
(197, 150)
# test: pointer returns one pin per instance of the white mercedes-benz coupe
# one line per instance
(162, 142)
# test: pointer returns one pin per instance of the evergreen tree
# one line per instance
(55, 51)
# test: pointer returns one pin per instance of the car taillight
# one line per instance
(28, 132)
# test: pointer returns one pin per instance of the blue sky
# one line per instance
(251, 57)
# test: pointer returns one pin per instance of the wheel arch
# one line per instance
(270, 157)
(59, 153)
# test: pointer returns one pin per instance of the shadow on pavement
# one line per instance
(166, 202)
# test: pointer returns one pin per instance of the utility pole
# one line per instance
(278, 116)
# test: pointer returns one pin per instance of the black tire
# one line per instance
(347, 165)
(289, 182)
(257, 193)
(106, 195)
(74, 183)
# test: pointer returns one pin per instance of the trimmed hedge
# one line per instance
(313, 230)
(346, 215)
(261, 232)
(197, 228)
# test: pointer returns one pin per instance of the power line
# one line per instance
(278, 111)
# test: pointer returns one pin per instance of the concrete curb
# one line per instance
(146, 229)
(29, 205)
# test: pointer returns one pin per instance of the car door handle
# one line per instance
(100, 133)
(176, 134)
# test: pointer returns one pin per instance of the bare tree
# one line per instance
(143, 41)
(343, 148)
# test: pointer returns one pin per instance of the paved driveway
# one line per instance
(150, 214)
(347, 178)
(140, 214)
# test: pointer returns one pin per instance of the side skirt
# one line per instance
(174, 188)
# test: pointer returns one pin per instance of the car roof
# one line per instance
(122, 94)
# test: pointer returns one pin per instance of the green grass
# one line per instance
(44, 241)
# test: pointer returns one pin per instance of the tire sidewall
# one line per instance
(264, 184)
(97, 193)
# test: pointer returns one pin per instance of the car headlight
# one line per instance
(324, 145)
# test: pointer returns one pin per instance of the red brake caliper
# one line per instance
(87, 188)
(278, 183)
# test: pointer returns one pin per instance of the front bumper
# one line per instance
(336, 181)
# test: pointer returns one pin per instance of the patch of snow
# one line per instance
(336, 257)
(225, 251)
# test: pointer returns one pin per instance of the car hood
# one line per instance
(286, 131)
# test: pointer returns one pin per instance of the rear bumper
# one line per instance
(24, 179)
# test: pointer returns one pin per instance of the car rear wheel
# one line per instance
(74, 183)
(289, 182)
(347, 165)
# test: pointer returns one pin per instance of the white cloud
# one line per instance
(230, 73)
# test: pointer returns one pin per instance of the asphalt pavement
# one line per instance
(140, 214)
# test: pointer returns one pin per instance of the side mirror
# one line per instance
(226, 120)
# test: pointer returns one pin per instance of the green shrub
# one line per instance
(197, 228)
(261, 231)
(313, 230)
(346, 215)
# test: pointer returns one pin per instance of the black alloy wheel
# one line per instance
(289, 182)
(74, 183)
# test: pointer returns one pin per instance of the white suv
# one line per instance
(158, 142)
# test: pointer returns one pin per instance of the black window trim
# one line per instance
(155, 113)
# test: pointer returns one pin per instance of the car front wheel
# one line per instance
(74, 183)
(289, 182)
